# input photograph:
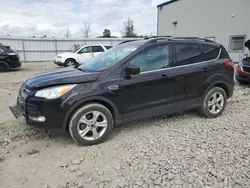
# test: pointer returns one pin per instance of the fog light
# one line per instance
(38, 119)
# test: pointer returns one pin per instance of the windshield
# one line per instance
(109, 58)
(74, 48)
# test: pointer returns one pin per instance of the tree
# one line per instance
(128, 29)
(67, 33)
(86, 29)
(106, 33)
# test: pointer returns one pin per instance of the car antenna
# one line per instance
(198, 35)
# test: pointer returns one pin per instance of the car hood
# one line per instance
(63, 76)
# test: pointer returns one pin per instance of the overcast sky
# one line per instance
(53, 17)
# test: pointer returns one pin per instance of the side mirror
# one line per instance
(132, 70)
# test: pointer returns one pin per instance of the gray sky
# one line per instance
(53, 17)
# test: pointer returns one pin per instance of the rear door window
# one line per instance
(210, 52)
(187, 54)
(97, 49)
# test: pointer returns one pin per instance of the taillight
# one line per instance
(229, 64)
(240, 72)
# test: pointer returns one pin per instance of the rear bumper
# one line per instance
(15, 64)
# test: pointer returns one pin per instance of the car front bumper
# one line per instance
(58, 62)
(41, 113)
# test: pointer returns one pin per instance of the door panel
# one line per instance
(85, 54)
(146, 91)
(152, 87)
(186, 71)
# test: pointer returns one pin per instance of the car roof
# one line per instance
(160, 39)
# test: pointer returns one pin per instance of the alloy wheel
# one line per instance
(216, 103)
(92, 125)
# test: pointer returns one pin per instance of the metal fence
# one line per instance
(43, 49)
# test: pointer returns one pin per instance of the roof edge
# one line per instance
(166, 3)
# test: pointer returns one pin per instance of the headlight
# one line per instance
(54, 92)
(59, 57)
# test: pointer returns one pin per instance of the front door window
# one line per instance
(154, 58)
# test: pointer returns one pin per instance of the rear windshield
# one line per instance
(108, 47)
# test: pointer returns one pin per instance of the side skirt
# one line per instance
(166, 109)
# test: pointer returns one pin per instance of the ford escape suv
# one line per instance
(133, 80)
(8, 58)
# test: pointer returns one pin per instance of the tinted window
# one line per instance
(154, 58)
(108, 47)
(97, 49)
(224, 53)
(187, 54)
(209, 52)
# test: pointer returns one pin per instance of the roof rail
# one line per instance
(167, 36)
(192, 38)
(126, 41)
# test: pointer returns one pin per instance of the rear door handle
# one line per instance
(205, 69)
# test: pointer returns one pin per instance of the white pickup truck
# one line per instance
(80, 55)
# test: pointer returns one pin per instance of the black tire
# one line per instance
(4, 67)
(70, 62)
(204, 109)
(73, 123)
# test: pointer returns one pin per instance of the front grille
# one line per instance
(246, 69)
(24, 93)
(31, 110)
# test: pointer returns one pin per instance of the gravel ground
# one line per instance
(183, 150)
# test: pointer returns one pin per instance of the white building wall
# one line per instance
(206, 18)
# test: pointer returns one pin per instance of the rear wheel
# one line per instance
(70, 62)
(214, 103)
(4, 67)
(91, 124)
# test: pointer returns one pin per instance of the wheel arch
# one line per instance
(70, 58)
(221, 81)
(100, 100)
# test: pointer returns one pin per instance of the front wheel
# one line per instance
(214, 103)
(70, 63)
(91, 124)
(4, 67)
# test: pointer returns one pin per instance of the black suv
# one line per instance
(8, 58)
(133, 80)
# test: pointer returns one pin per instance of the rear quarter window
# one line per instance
(108, 47)
(210, 52)
(224, 53)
